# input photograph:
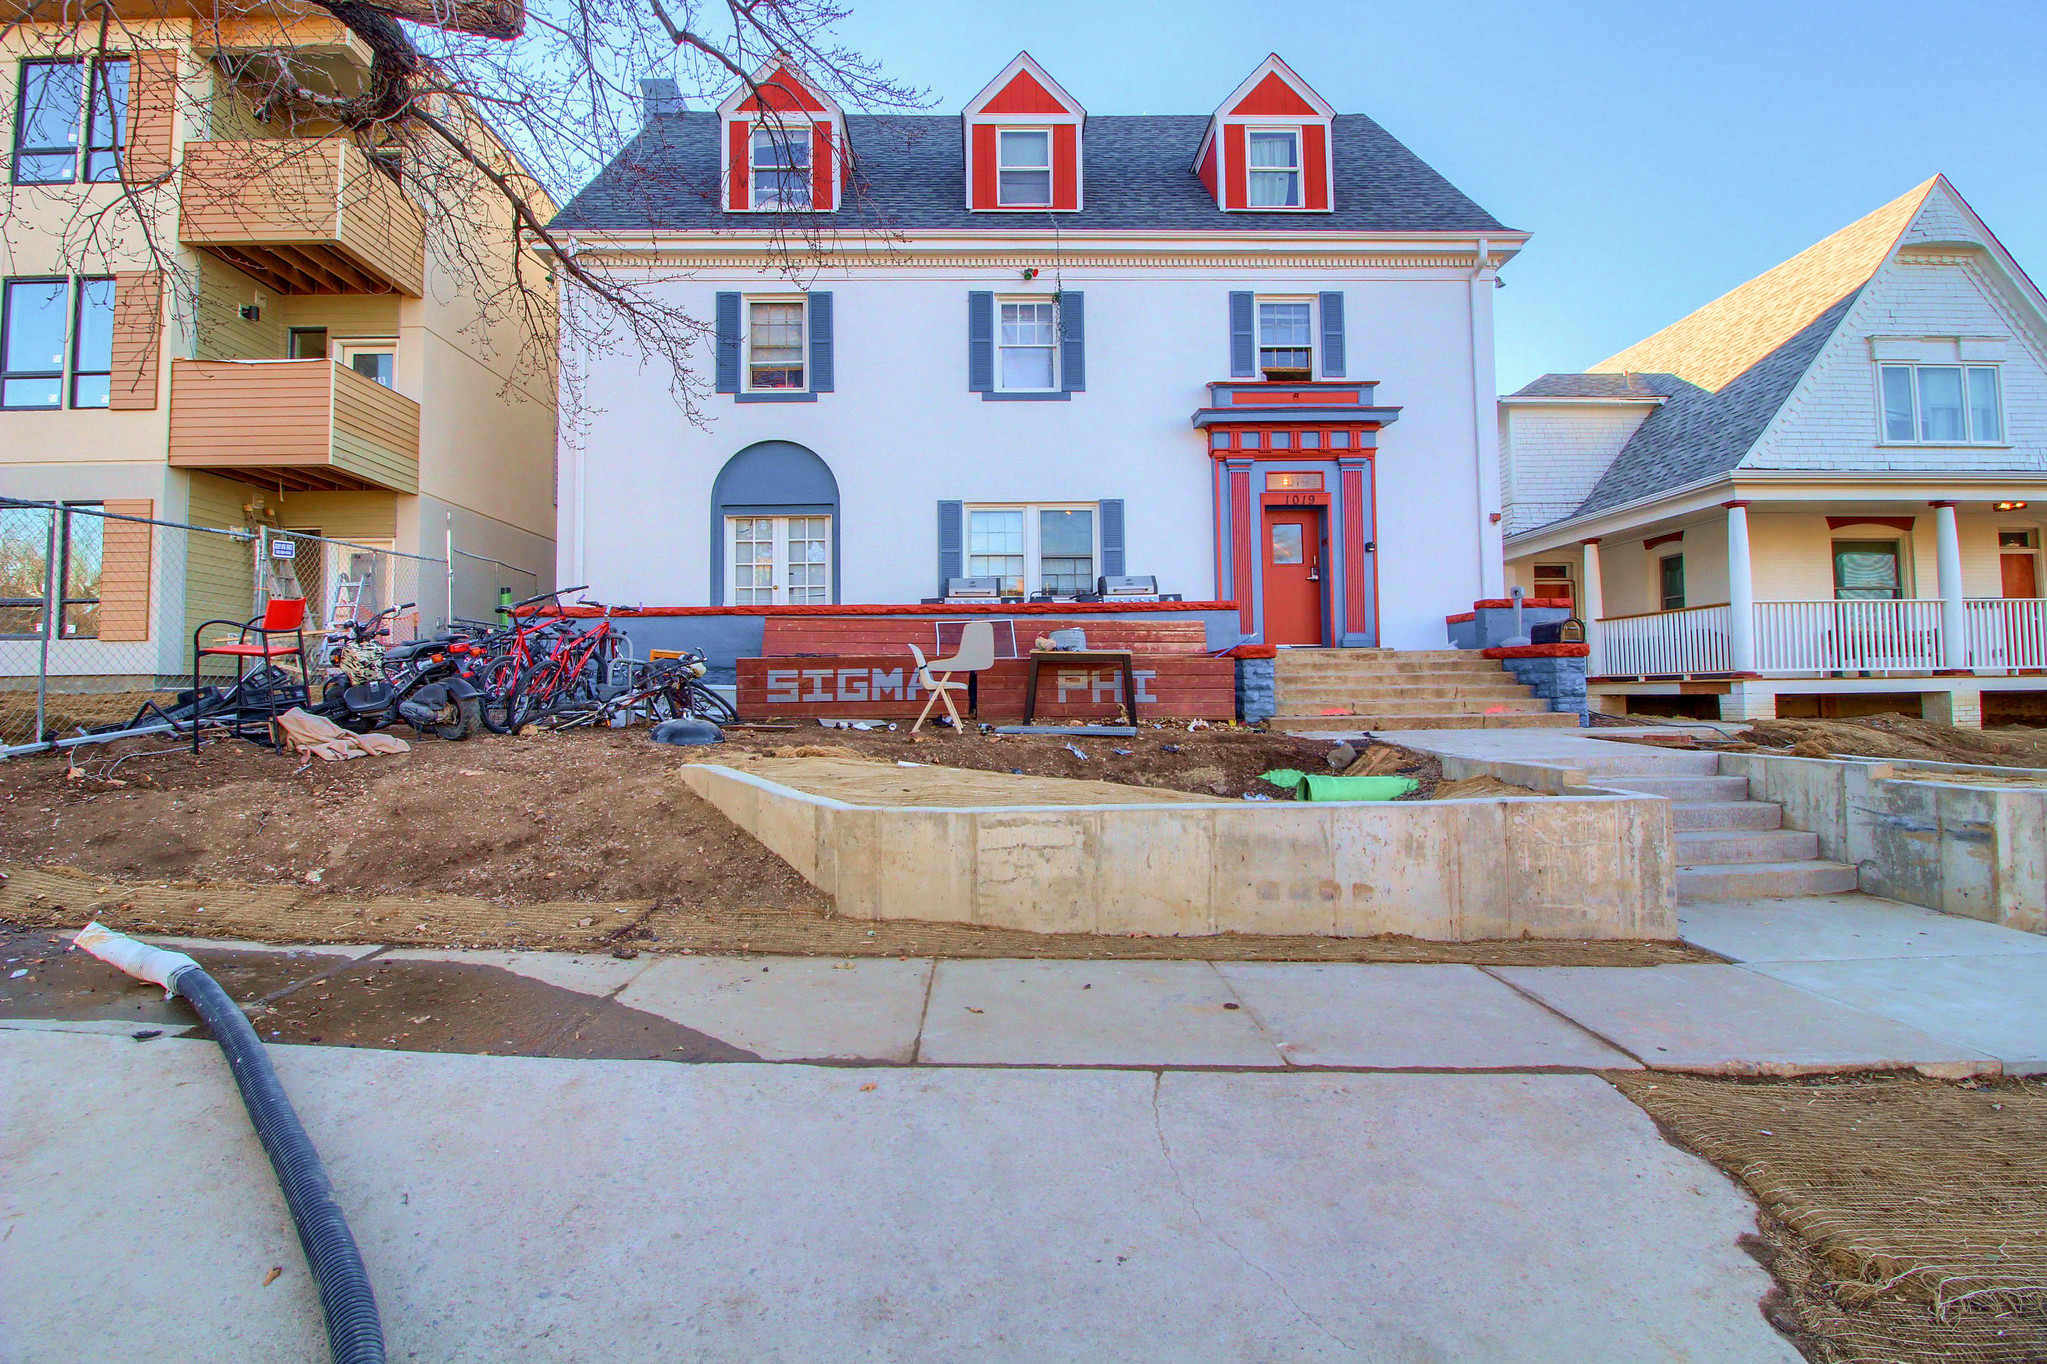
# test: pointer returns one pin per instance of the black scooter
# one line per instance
(372, 684)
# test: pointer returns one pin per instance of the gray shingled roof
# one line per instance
(1699, 433)
(1602, 386)
(1136, 170)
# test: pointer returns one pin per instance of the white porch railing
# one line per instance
(1847, 636)
(2008, 633)
(1816, 637)
(1664, 643)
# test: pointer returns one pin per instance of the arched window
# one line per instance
(775, 528)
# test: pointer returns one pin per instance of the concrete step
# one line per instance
(1764, 880)
(1386, 705)
(1700, 816)
(1722, 847)
(1369, 655)
(1459, 667)
(1336, 693)
(1692, 788)
(1347, 723)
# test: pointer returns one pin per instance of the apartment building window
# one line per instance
(308, 343)
(774, 344)
(376, 360)
(1028, 346)
(781, 166)
(1670, 579)
(1023, 175)
(1867, 570)
(24, 562)
(1033, 548)
(779, 560)
(52, 116)
(1553, 582)
(39, 325)
(1943, 404)
(1275, 168)
(1286, 339)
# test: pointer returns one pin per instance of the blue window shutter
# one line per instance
(821, 378)
(728, 343)
(1073, 342)
(1112, 537)
(1243, 336)
(951, 542)
(1332, 336)
(980, 342)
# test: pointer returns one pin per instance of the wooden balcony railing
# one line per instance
(309, 425)
(303, 216)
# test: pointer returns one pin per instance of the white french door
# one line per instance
(778, 560)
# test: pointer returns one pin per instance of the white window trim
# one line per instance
(1052, 299)
(1314, 303)
(1299, 169)
(1051, 158)
(342, 350)
(746, 302)
(1033, 556)
(1883, 434)
(779, 589)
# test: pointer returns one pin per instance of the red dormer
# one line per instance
(783, 146)
(1023, 135)
(1267, 149)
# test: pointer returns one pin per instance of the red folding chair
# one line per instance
(281, 616)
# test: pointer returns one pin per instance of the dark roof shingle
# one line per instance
(1644, 386)
(911, 175)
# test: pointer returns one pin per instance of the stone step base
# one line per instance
(1764, 880)
(1702, 816)
(1723, 847)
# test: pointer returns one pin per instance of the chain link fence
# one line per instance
(98, 606)
(479, 586)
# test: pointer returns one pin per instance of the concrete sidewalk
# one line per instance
(559, 1210)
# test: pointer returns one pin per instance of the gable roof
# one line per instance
(910, 175)
(1623, 387)
(1023, 87)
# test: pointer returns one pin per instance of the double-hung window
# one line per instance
(41, 320)
(1023, 172)
(1867, 570)
(1033, 548)
(781, 165)
(24, 565)
(1286, 339)
(774, 344)
(1670, 578)
(779, 560)
(1942, 404)
(1275, 167)
(1028, 346)
(52, 114)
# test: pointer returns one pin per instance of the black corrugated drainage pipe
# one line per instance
(355, 1334)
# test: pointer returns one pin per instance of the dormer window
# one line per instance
(1275, 169)
(781, 166)
(1024, 168)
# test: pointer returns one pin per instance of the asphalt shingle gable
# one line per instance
(911, 169)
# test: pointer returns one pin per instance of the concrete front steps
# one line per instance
(1403, 689)
(1730, 847)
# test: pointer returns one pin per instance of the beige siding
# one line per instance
(223, 333)
(125, 568)
(316, 418)
(152, 114)
(138, 331)
(219, 571)
(376, 431)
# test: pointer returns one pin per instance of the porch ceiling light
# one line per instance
(2011, 506)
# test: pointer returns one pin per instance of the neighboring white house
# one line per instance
(1820, 494)
(1247, 352)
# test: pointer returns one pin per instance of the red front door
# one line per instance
(1292, 554)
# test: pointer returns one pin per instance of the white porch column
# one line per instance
(1954, 610)
(1741, 592)
(1593, 606)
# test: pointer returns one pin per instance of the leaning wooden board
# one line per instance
(1175, 686)
(829, 637)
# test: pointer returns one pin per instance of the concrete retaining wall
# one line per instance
(1453, 870)
(1979, 851)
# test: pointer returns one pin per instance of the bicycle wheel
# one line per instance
(532, 696)
(705, 704)
(498, 681)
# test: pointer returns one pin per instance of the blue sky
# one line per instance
(1660, 153)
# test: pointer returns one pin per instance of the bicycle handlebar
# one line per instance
(548, 596)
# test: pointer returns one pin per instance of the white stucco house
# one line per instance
(1820, 494)
(1248, 352)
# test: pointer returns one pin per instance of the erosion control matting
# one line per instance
(59, 899)
(1911, 1213)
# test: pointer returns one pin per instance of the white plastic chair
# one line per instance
(976, 653)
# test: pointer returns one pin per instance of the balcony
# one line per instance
(302, 216)
(1825, 638)
(305, 425)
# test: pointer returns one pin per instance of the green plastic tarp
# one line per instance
(1341, 788)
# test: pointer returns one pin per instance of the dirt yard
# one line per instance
(1906, 1218)
(1901, 737)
